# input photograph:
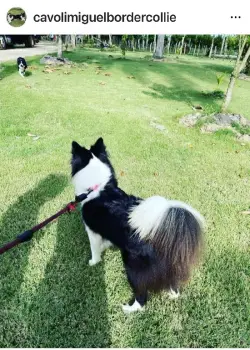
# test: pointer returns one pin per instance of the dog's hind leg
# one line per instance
(140, 296)
(95, 246)
(106, 244)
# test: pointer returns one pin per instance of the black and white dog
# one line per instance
(10, 18)
(159, 239)
(22, 66)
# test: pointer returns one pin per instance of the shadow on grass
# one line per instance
(182, 95)
(70, 306)
(67, 307)
(184, 77)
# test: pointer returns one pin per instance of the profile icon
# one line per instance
(16, 17)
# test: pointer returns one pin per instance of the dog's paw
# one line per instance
(173, 294)
(93, 262)
(127, 309)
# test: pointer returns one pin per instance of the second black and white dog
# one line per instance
(159, 239)
(22, 66)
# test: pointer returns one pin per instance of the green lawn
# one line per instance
(49, 296)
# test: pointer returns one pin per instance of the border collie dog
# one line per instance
(159, 239)
(10, 18)
(22, 66)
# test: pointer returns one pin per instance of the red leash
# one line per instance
(28, 235)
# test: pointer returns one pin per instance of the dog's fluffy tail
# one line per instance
(175, 230)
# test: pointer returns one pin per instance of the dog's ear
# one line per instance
(98, 148)
(79, 151)
(76, 148)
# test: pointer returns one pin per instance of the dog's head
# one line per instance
(91, 168)
(10, 17)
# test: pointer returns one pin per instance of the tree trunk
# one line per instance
(222, 45)
(234, 75)
(59, 47)
(159, 46)
(211, 48)
(225, 46)
(198, 51)
(154, 47)
(245, 62)
(73, 41)
(182, 43)
(110, 40)
(247, 70)
(147, 42)
(169, 42)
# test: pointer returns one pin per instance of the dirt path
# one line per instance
(41, 48)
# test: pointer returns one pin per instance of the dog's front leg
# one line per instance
(95, 245)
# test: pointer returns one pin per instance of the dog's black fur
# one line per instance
(151, 264)
(21, 65)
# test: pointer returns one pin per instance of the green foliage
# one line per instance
(242, 129)
(219, 78)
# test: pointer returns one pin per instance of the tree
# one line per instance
(246, 62)
(222, 44)
(211, 48)
(159, 46)
(247, 70)
(168, 46)
(182, 43)
(154, 43)
(234, 74)
(110, 40)
(73, 41)
(59, 46)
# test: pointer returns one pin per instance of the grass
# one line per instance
(49, 296)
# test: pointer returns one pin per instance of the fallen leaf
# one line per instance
(131, 77)
(156, 174)
(32, 67)
(246, 212)
(47, 70)
(197, 108)
(28, 86)
(122, 173)
(107, 74)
